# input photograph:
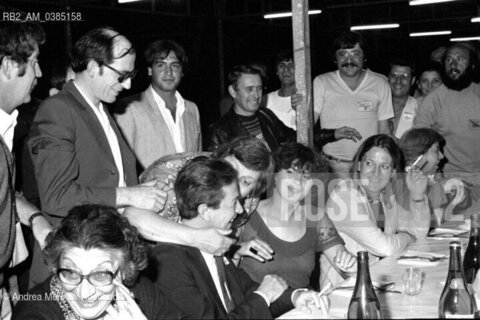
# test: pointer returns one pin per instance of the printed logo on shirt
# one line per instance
(365, 106)
(474, 124)
(408, 115)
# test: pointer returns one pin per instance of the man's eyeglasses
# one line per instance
(395, 76)
(344, 54)
(123, 75)
(97, 278)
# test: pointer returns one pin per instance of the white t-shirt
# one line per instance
(282, 107)
(406, 118)
(361, 109)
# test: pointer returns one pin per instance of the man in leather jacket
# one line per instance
(247, 118)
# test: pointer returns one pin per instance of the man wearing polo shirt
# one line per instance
(351, 96)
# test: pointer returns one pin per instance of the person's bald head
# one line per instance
(102, 45)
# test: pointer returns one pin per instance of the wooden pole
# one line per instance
(303, 80)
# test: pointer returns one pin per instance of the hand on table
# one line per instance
(256, 248)
(307, 300)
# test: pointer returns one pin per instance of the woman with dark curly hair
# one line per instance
(287, 224)
(93, 256)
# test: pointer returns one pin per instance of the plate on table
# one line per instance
(421, 258)
(447, 233)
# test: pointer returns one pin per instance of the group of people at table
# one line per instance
(268, 207)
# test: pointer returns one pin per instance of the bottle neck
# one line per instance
(475, 226)
(455, 268)
(364, 283)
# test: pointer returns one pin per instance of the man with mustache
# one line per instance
(353, 97)
(453, 109)
(246, 118)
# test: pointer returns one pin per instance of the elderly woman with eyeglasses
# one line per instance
(365, 209)
(95, 256)
(284, 233)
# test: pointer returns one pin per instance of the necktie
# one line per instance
(230, 305)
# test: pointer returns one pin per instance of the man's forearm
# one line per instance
(153, 227)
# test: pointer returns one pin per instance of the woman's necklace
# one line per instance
(375, 200)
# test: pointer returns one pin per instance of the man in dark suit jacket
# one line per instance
(77, 151)
(19, 69)
(206, 287)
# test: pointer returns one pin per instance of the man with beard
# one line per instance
(351, 96)
(453, 109)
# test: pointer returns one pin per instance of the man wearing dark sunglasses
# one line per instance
(78, 153)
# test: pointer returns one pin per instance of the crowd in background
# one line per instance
(130, 212)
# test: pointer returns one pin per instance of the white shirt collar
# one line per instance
(7, 126)
(161, 104)
(174, 127)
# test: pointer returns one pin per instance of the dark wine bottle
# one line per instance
(455, 301)
(364, 303)
(471, 260)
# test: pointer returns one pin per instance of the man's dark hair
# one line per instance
(59, 75)
(201, 181)
(348, 40)
(402, 62)
(237, 72)
(96, 45)
(284, 55)
(18, 41)
(160, 49)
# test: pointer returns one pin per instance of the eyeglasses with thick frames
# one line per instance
(123, 75)
(96, 278)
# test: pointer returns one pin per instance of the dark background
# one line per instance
(202, 25)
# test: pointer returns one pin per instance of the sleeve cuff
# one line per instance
(267, 301)
(295, 294)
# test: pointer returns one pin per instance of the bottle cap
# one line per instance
(362, 255)
(454, 244)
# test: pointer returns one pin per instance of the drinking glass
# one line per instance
(412, 281)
